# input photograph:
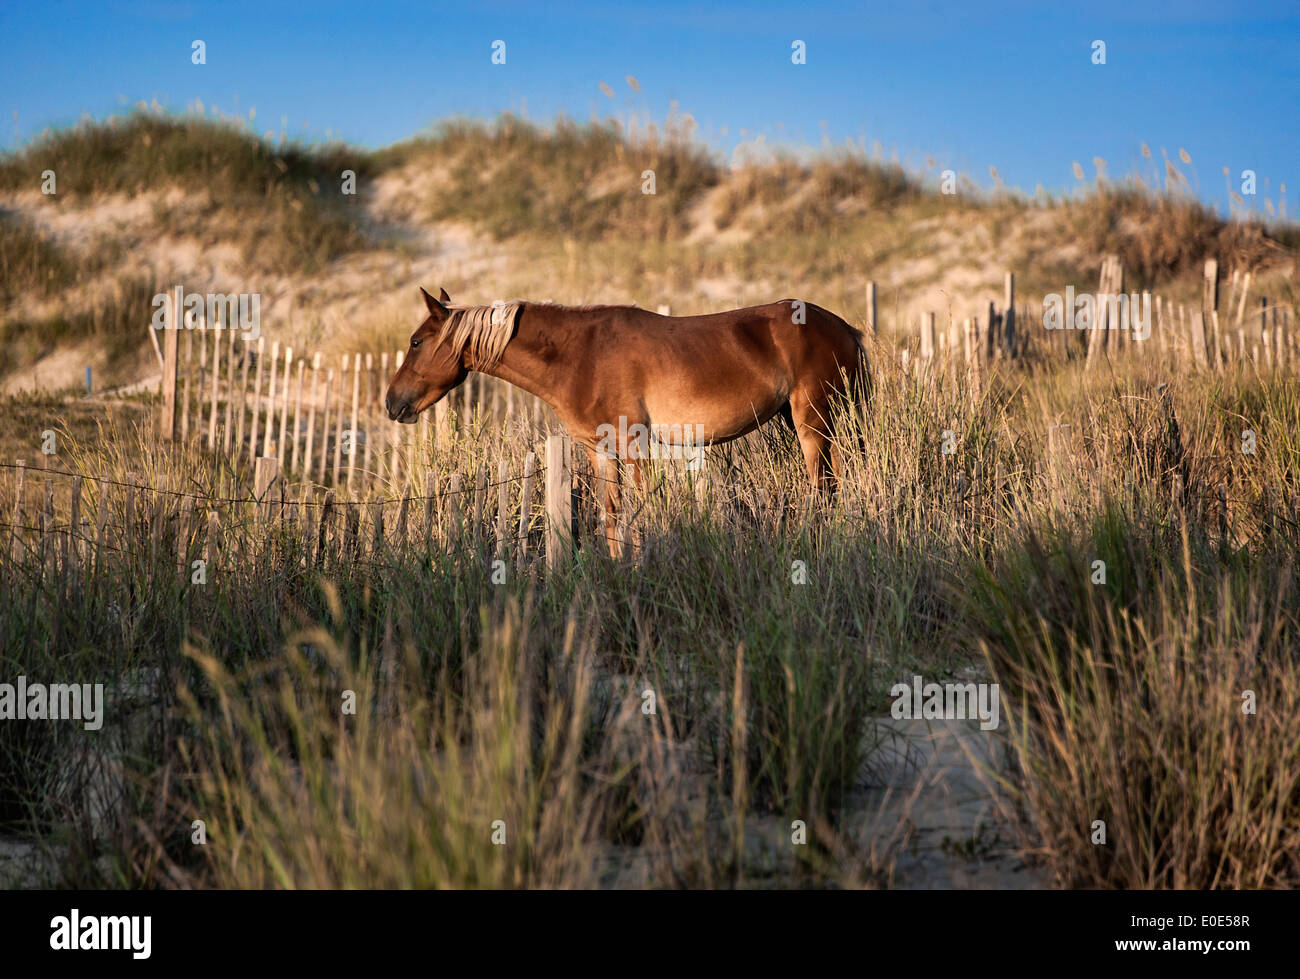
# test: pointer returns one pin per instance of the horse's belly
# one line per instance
(711, 416)
(719, 386)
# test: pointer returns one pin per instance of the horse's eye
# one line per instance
(414, 343)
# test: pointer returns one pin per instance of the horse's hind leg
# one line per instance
(812, 426)
(605, 469)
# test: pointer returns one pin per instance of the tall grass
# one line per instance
(580, 181)
(526, 701)
(281, 204)
(523, 701)
(30, 263)
(112, 322)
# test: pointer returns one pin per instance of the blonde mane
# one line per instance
(480, 332)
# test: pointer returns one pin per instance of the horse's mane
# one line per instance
(481, 331)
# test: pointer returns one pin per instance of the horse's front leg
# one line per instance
(605, 468)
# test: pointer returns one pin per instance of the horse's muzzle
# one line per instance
(399, 411)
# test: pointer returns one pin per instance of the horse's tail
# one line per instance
(860, 385)
(859, 388)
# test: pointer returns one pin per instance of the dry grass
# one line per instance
(521, 701)
(30, 264)
(583, 182)
(1160, 236)
(281, 205)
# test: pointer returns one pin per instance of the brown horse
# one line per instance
(611, 371)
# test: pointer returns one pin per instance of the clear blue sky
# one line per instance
(970, 83)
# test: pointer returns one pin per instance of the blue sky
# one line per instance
(971, 84)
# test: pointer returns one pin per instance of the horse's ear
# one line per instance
(436, 309)
(443, 297)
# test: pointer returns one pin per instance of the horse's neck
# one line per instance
(523, 363)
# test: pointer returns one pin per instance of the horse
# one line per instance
(689, 380)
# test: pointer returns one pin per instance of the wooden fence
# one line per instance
(321, 423)
(499, 518)
(1222, 334)
(326, 424)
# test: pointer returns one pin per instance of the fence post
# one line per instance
(74, 528)
(927, 336)
(183, 535)
(1209, 307)
(226, 431)
(402, 511)
(1241, 300)
(480, 497)
(170, 340)
(418, 451)
(187, 395)
(16, 523)
(440, 422)
(525, 502)
(307, 522)
(455, 506)
(128, 534)
(158, 507)
(356, 399)
(338, 432)
(270, 399)
(325, 425)
(1095, 338)
(264, 475)
(1263, 331)
(201, 327)
(101, 527)
(1200, 348)
(297, 421)
(370, 415)
(559, 500)
(1279, 338)
(503, 508)
(973, 345)
(257, 400)
(394, 430)
(326, 526)
(216, 385)
(1009, 314)
(210, 541)
(352, 532)
(430, 484)
(243, 397)
(308, 458)
(284, 407)
(48, 557)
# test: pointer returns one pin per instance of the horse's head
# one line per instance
(430, 369)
